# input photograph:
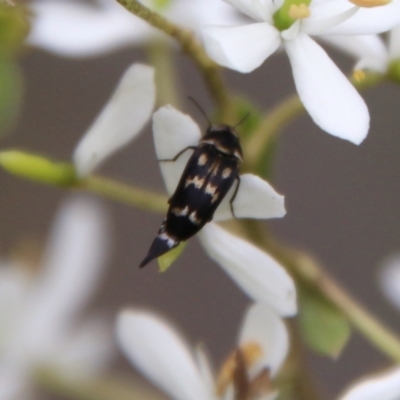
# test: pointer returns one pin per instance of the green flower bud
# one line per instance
(37, 168)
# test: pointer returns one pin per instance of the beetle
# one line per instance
(210, 172)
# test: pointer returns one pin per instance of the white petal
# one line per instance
(72, 267)
(205, 369)
(369, 50)
(259, 10)
(265, 328)
(256, 272)
(14, 382)
(194, 14)
(370, 20)
(394, 43)
(331, 100)
(14, 291)
(173, 132)
(160, 353)
(241, 48)
(390, 279)
(255, 198)
(86, 352)
(77, 29)
(329, 15)
(120, 121)
(383, 387)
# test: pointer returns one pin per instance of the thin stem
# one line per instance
(273, 121)
(311, 273)
(162, 59)
(192, 47)
(143, 199)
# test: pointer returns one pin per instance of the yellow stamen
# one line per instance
(359, 75)
(370, 3)
(251, 353)
(300, 11)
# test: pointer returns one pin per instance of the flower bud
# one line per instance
(37, 168)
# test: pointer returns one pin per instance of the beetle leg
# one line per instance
(234, 196)
(179, 154)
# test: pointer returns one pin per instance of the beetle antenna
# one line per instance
(201, 109)
(242, 120)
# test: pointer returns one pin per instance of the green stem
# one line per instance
(140, 198)
(273, 121)
(94, 389)
(192, 47)
(161, 58)
(311, 273)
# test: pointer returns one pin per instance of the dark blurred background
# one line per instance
(342, 200)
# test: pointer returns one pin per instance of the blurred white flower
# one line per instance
(258, 274)
(157, 350)
(78, 29)
(389, 279)
(330, 99)
(384, 386)
(39, 314)
(120, 121)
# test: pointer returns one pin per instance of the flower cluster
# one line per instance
(39, 312)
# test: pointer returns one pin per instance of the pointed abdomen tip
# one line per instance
(161, 245)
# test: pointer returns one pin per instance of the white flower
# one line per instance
(164, 357)
(79, 29)
(367, 20)
(385, 386)
(370, 51)
(38, 314)
(258, 274)
(389, 277)
(120, 121)
(331, 100)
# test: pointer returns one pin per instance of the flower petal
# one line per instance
(72, 267)
(331, 100)
(77, 29)
(160, 353)
(394, 43)
(263, 326)
(241, 48)
(173, 131)
(390, 279)
(369, 50)
(120, 121)
(14, 382)
(383, 387)
(259, 10)
(255, 198)
(369, 20)
(86, 352)
(256, 272)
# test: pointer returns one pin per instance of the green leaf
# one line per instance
(37, 168)
(323, 326)
(165, 261)
(11, 89)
